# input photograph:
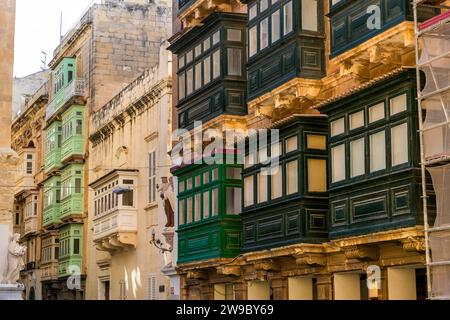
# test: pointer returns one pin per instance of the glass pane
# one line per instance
(234, 62)
(287, 18)
(262, 155)
(252, 41)
(338, 127)
(198, 207)
(189, 184)
(206, 205)
(338, 163)
(398, 104)
(309, 15)
(317, 175)
(198, 76)
(291, 144)
(277, 183)
(317, 142)
(377, 151)
(216, 64)
(234, 201)
(207, 70)
(376, 112)
(182, 211)
(275, 151)
(207, 44)
(198, 181)
(262, 188)
(234, 173)
(198, 50)
(215, 174)
(249, 192)
(264, 33)
(190, 80)
(215, 202)
(189, 57)
(357, 120)
(263, 4)
(234, 35)
(216, 37)
(206, 177)
(181, 62)
(292, 177)
(358, 158)
(399, 144)
(252, 12)
(189, 210)
(275, 26)
(181, 187)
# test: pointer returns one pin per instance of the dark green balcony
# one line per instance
(72, 133)
(53, 147)
(72, 192)
(52, 201)
(209, 207)
(70, 250)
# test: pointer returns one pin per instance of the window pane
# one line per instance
(215, 174)
(399, 144)
(376, 112)
(215, 202)
(206, 205)
(287, 18)
(189, 210)
(234, 173)
(252, 12)
(234, 62)
(198, 207)
(78, 185)
(198, 50)
(181, 62)
(264, 33)
(252, 41)
(262, 155)
(198, 76)
(309, 15)
(292, 177)
(338, 163)
(317, 175)
(76, 246)
(263, 5)
(317, 142)
(398, 104)
(79, 127)
(262, 188)
(198, 181)
(189, 57)
(182, 211)
(181, 187)
(358, 158)
(275, 151)
(234, 35)
(277, 183)
(207, 70)
(291, 144)
(216, 64)
(337, 127)
(189, 184)
(206, 177)
(275, 26)
(216, 37)
(249, 192)
(207, 44)
(190, 80)
(234, 201)
(127, 199)
(356, 120)
(378, 151)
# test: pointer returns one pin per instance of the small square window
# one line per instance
(216, 37)
(398, 104)
(234, 35)
(207, 44)
(263, 4)
(252, 12)
(181, 62)
(338, 127)
(198, 50)
(356, 120)
(198, 181)
(376, 112)
(234, 173)
(316, 142)
(189, 57)
(206, 177)
(215, 174)
(189, 184)
(291, 144)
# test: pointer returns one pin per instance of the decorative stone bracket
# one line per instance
(311, 259)
(199, 10)
(197, 275)
(413, 244)
(361, 252)
(229, 271)
(269, 265)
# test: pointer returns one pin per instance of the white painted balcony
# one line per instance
(75, 88)
(24, 182)
(31, 226)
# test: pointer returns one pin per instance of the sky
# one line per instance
(38, 29)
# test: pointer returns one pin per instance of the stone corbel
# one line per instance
(413, 244)
(267, 265)
(359, 69)
(229, 271)
(361, 252)
(283, 101)
(197, 275)
(311, 259)
(264, 111)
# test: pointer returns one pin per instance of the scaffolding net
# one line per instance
(433, 70)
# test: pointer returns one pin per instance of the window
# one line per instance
(78, 185)
(29, 164)
(263, 4)
(216, 37)
(338, 127)
(127, 199)
(198, 207)
(207, 70)
(262, 188)
(292, 177)
(189, 206)
(287, 21)
(79, 127)
(357, 158)
(234, 62)
(182, 212)
(276, 183)
(76, 246)
(248, 191)
(152, 177)
(206, 177)
(262, 154)
(216, 64)
(181, 62)
(181, 85)
(316, 142)
(398, 104)
(252, 12)
(234, 35)
(207, 44)
(198, 50)
(338, 163)
(317, 175)
(378, 151)
(309, 15)
(206, 205)
(356, 120)
(291, 144)
(399, 144)
(376, 112)
(275, 20)
(189, 57)
(189, 184)
(215, 202)
(234, 173)
(215, 174)
(253, 41)
(198, 181)
(189, 81)
(198, 76)
(264, 33)
(234, 201)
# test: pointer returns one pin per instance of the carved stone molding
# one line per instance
(229, 271)
(267, 265)
(362, 252)
(197, 275)
(413, 244)
(311, 259)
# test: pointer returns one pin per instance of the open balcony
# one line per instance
(73, 92)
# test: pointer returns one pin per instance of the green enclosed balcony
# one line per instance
(72, 192)
(70, 250)
(52, 199)
(72, 133)
(53, 147)
(209, 207)
(66, 89)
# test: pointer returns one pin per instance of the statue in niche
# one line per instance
(15, 262)
(167, 194)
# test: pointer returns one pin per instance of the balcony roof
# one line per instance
(113, 173)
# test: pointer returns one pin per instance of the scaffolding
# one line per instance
(433, 87)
